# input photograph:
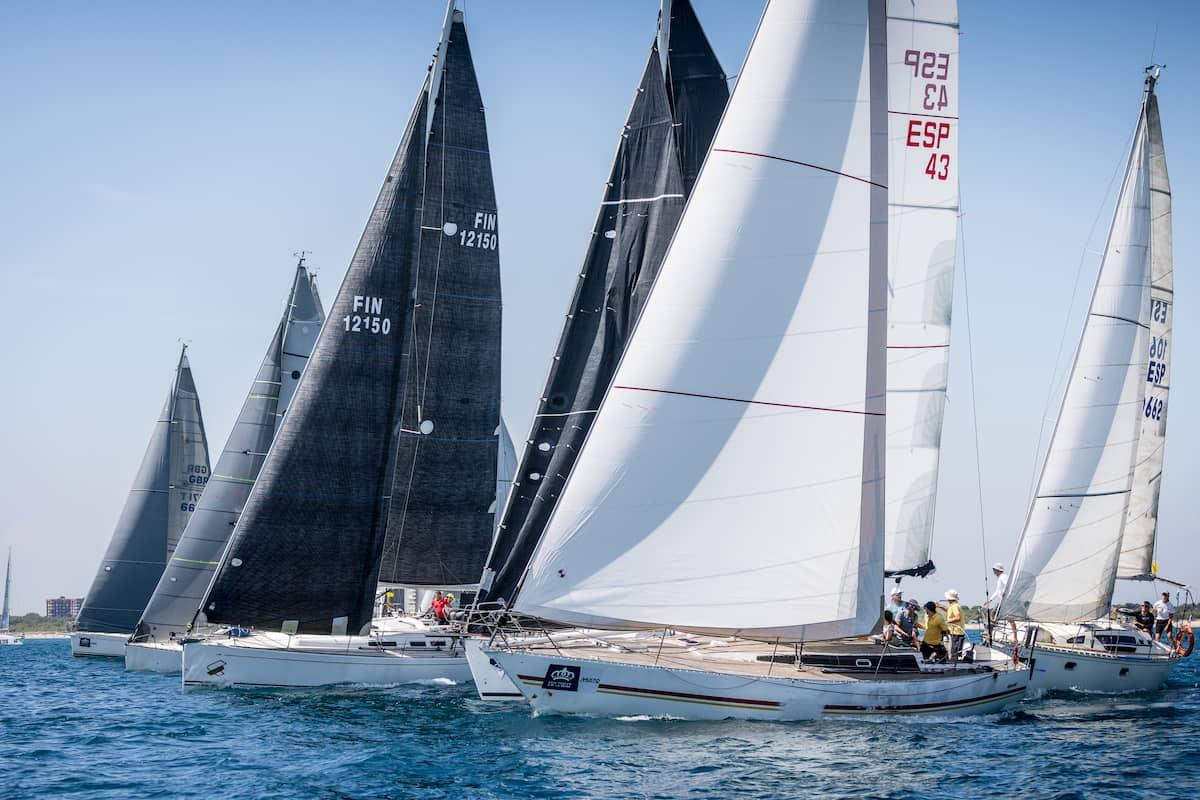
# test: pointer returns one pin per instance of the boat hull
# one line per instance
(1062, 669)
(491, 682)
(259, 661)
(11, 639)
(162, 657)
(564, 685)
(98, 645)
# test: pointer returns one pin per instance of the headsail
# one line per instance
(190, 568)
(441, 518)
(723, 487)
(643, 200)
(158, 508)
(922, 227)
(302, 553)
(1137, 543)
(1067, 559)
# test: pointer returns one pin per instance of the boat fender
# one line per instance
(1185, 633)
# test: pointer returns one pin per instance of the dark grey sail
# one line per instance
(168, 485)
(303, 554)
(190, 568)
(7, 583)
(699, 89)
(641, 207)
(442, 518)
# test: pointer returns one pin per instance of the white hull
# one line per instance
(491, 681)
(554, 683)
(280, 660)
(162, 657)
(11, 638)
(101, 645)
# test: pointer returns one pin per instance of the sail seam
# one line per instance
(1084, 494)
(639, 199)
(752, 402)
(1121, 319)
(801, 164)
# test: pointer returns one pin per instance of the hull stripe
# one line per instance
(923, 708)
(682, 697)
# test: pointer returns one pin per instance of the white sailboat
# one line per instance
(1095, 515)
(6, 637)
(731, 493)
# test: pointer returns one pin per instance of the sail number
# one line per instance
(1158, 365)
(484, 235)
(931, 134)
(197, 474)
(189, 500)
(1158, 310)
(1154, 407)
(371, 319)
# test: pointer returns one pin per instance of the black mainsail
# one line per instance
(660, 145)
(442, 516)
(394, 428)
(190, 568)
(162, 500)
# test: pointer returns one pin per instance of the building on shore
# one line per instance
(63, 606)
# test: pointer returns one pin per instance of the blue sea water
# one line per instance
(86, 728)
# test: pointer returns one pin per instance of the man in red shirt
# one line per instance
(438, 607)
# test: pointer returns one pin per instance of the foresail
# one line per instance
(441, 518)
(188, 456)
(1067, 559)
(301, 554)
(733, 478)
(922, 226)
(189, 570)
(137, 552)
(506, 466)
(1137, 543)
(642, 203)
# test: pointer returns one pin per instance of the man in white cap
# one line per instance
(1001, 586)
(897, 606)
(956, 633)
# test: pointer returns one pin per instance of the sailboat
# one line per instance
(1094, 518)
(385, 469)
(663, 143)
(730, 494)
(5, 636)
(162, 500)
(156, 641)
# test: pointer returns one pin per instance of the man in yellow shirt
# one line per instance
(935, 630)
(955, 632)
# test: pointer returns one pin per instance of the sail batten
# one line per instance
(685, 509)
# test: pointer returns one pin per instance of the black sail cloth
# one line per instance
(304, 551)
(441, 518)
(698, 88)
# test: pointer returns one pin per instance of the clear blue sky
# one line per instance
(159, 162)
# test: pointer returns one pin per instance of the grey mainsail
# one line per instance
(160, 504)
(441, 519)
(642, 204)
(7, 583)
(190, 568)
(303, 553)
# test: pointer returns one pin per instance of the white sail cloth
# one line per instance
(1137, 543)
(733, 479)
(1067, 559)
(922, 39)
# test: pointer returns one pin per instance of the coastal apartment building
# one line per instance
(63, 606)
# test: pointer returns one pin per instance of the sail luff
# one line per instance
(688, 506)
(1066, 560)
(1138, 540)
(923, 64)
(190, 568)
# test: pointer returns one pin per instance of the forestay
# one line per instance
(1137, 543)
(160, 503)
(922, 224)
(181, 587)
(1067, 559)
(733, 478)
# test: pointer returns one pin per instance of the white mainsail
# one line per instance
(733, 479)
(1067, 559)
(1137, 544)
(922, 40)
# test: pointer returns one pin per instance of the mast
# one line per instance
(923, 62)
(722, 488)
(1137, 543)
(190, 568)
(1066, 561)
(639, 211)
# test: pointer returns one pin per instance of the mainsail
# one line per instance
(191, 566)
(732, 481)
(644, 197)
(160, 504)
(441, 518)
(1137, 542)
(1067, 559)
(922, 223)
(7, 585)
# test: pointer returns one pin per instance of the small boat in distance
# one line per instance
(162, 500)
(6, 637)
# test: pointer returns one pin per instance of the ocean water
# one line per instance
(86, 728)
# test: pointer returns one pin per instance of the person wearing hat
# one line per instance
(1001, 586)
(906, 625)
(955, 632)
(897, 606)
